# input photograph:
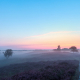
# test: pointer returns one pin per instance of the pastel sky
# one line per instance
(39, 24)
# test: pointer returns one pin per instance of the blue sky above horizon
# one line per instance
(20, 19)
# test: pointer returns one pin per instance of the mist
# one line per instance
(20, 56)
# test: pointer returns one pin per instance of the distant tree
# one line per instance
(59, 48)
(73, 49)
(8, 53)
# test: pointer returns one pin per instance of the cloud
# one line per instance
(50, 33)
(52, 38)
(49, 40)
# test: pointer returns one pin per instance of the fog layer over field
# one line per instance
(37, 55)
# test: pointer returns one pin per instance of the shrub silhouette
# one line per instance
(73, 49)
(8, 53)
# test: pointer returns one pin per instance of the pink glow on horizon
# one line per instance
(50, 40)
(45, 47)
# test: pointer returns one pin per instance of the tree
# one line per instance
(8, 53)
(73, 49)
(59, 48)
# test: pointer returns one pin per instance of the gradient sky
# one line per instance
(39, 24)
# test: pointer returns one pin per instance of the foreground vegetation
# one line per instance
(47, 70)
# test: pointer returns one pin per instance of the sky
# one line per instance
(39, 24)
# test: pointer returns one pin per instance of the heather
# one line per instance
(43, 70)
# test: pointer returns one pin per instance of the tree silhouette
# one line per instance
(8, 53)
(59, 48)
(73, 49)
